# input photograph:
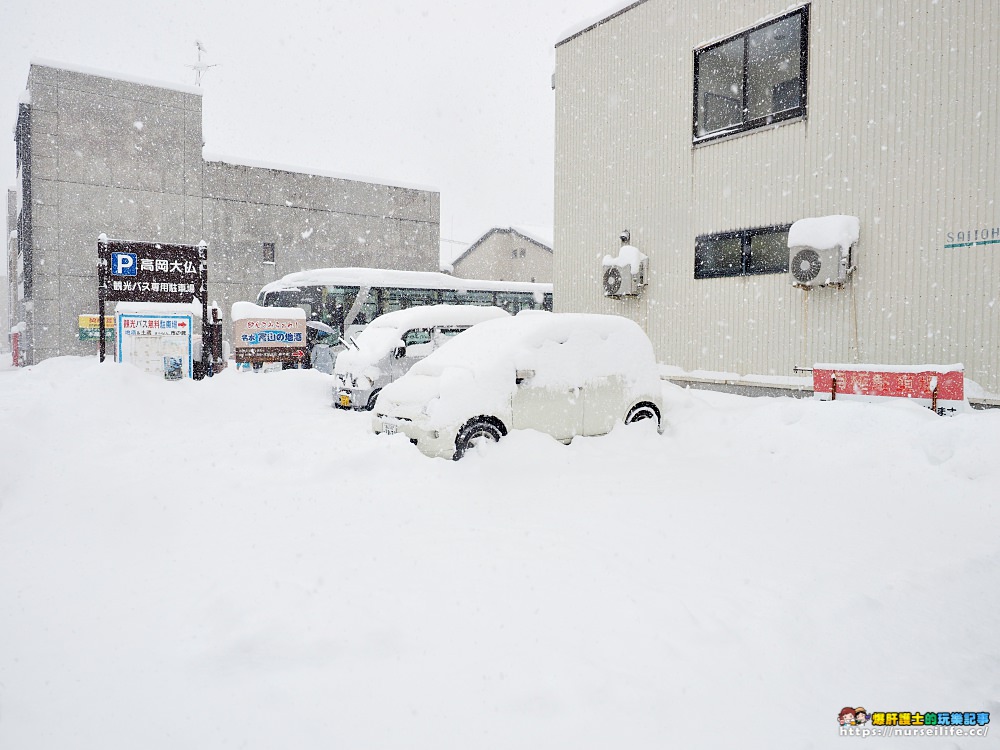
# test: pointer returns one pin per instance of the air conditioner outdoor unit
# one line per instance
(817, 267)
(624, 276)
(819, 250)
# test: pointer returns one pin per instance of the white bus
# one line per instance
(339, 301)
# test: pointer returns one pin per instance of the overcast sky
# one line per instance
(446, 94)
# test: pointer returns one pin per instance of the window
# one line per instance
(269, 252)
(417, 336)
(753, 79)
(402, 299)
(744, 252)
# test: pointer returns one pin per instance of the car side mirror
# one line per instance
(399, 352)
(521, 375)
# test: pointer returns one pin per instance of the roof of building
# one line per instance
(520, 232)
(42, 63)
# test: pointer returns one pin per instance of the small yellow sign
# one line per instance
(90, 327)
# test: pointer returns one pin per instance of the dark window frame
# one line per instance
(748, 124)
(268, 252)
(746, 238)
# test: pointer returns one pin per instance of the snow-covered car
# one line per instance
(392, 343)
(565, 374)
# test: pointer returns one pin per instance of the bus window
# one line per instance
(514, 302)
(401, 299)
(334, 295)
(475, 298)
(337, 302)
(308, 298)
(369, 309)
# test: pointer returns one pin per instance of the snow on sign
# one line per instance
(159, 343)
(938, 387)
(268, 334)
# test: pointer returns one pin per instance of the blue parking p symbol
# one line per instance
(123, 264)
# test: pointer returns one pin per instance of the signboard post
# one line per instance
(940, 388)
(152, 272)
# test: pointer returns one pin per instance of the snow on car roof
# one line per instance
(603, 344)
(382, 335)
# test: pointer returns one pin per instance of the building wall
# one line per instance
(313, 222)
(8, 272)
(125, 159)
(900, 132)
(505, 255)
(107, 156)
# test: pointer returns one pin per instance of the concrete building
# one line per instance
(708, 128)
(505, 255)
(100, 154)
(10, 244)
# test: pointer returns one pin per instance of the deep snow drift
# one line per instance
(233, 563)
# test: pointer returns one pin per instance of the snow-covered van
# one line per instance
(565, 374)
(392, 343)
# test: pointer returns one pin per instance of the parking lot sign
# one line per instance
(124, 264)
(151, 272)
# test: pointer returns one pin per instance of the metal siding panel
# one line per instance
(891, 137)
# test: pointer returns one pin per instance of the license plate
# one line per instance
(345, 399)
(389, 429)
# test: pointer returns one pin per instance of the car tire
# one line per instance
(371, 399)
(641, 412)
(476, 432)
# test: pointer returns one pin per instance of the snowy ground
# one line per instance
(234, 564)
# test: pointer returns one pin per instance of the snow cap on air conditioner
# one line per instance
(825, 233)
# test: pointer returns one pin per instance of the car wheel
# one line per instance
(475, 433)
(639, 412)
(371, 399)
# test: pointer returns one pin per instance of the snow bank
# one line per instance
(732, 583)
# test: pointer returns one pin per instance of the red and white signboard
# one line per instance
(938, 387)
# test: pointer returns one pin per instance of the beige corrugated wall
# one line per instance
(902, 129)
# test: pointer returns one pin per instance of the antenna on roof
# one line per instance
(199, 67)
